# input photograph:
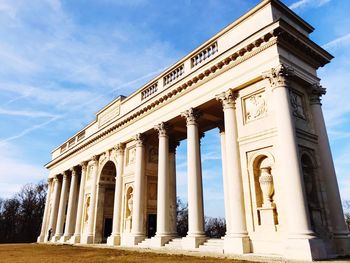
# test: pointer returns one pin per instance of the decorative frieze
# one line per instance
(204, 54)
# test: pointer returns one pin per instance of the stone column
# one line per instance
(114, 239)
(163, 234)
(236, 239)
(62, 207)
(137, 229)
(340, 231)
(224, 176)
(195, 235)
(77, 231)
(301, 243)
(172, 184)
(54, 206)
(68, 232)
(89, 238)
(41, 237)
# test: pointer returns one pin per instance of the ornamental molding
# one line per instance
(162, 129)
(275, 36)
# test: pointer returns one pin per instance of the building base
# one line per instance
(56, 238)
(40, 239)
(89, 239)
(160, 240)
(113, 240)
(74, 239)
(305, 249)
(132, 240)
(236, 245)
(191, 242)
(342, 245)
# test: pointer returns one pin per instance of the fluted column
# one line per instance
(71, 210)
(327, 172)
(163, 234)
(62, 207)
(54, 207)
(137, 230)
(300, 243)
(77, 230)
(114, 239)
(89, 238)
(224, 176)
(172, 184)
(41, 237)
(195, 235)
(236, 239)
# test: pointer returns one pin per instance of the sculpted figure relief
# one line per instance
(255, 106)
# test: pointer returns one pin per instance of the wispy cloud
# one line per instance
(308, 3)
(26, 113)
(340, 41)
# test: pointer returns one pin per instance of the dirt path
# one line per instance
(37, 253)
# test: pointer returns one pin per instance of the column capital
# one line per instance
(315, 93)
(83, 165)
(162, 128)
(119, 148)
(55, 178)
(65, 175)
(140, 139)
(191, 115)
(95, 158)
(279, 76)
(221, 127)
(74, 170)
(173, 145)
(227, 99)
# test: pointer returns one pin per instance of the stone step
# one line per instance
(145, 243)
(213, 246)
(174, 244)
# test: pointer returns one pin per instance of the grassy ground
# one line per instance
(35, 253)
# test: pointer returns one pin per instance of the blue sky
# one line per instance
(57, 54)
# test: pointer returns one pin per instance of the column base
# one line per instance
(40, 239)
(236, 245)
(65, 238)
(74, 239)
(305, 249)
(160, 240)
(341, 245)
(113, 240)
(55, 238)
(89, 239)
(191, 242)
(132, 240)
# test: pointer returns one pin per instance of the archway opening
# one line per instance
(105, 202)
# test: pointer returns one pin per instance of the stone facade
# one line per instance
(256, 81)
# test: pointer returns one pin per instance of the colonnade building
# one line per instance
(256, 82)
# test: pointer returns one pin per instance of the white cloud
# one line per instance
(338, 42)
(26, 113)
(308, 3)
(15, 172)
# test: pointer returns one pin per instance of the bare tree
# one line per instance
(347, 213)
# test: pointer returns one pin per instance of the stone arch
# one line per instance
(105, 200)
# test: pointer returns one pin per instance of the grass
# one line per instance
(38, 253)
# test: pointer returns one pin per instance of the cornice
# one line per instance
(221, 64)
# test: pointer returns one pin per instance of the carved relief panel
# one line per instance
(130, 155)
(297, 103)
(255, 106)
